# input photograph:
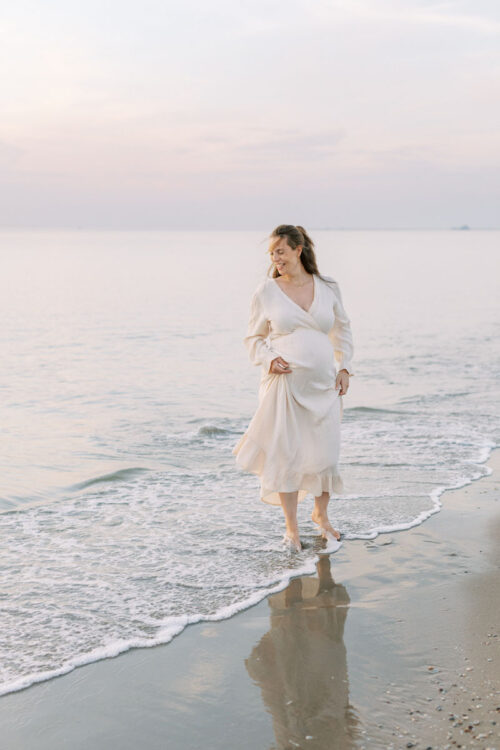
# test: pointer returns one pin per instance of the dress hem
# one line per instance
(250, 457)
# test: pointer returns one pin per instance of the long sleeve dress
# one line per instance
(293, 440)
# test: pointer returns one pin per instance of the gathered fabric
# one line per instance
(293, 440)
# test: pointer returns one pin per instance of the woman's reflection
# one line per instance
(300, 665)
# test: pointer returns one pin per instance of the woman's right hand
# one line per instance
(279, 366)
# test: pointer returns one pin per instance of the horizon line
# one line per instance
(76, 228)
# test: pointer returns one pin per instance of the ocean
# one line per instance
(125, 385)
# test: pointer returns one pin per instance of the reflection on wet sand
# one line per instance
(301, 667)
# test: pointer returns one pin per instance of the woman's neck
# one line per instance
(297, 278)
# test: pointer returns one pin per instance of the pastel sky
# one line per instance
(243, 114)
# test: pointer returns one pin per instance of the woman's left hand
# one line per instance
(342, 382)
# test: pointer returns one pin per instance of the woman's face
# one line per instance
(285, 258)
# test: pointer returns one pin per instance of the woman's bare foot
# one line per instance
(324, 524)
(293, 540)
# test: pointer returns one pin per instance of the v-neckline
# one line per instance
(296, 303)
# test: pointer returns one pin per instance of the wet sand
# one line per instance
(393, 644)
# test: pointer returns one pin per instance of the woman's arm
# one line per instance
(341, 334)
(259, 351)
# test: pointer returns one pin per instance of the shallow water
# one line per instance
(125, 385)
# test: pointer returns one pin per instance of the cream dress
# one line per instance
(293, 440)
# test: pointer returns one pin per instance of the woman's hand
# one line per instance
(279, 366)
(341, 382)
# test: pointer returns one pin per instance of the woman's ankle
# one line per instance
(320, 515)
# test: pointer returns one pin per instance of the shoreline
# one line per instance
(392, 632)
(179, 623)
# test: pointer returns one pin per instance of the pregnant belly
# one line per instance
(310, 356)
(306, 349)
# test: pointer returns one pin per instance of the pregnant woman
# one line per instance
(298, 331)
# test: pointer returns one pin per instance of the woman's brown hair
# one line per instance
(295, 236)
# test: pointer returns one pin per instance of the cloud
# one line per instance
(239, 102)
(404, 13)
(278, 144)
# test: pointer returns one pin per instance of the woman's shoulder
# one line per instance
(333, 286)
(263, 286)
(261, 290)
(329, 281)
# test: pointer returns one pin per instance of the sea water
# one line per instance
(125, 384)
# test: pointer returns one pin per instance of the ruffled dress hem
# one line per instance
(252, 458)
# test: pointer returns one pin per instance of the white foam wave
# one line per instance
(132, 568)
(172, 627)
